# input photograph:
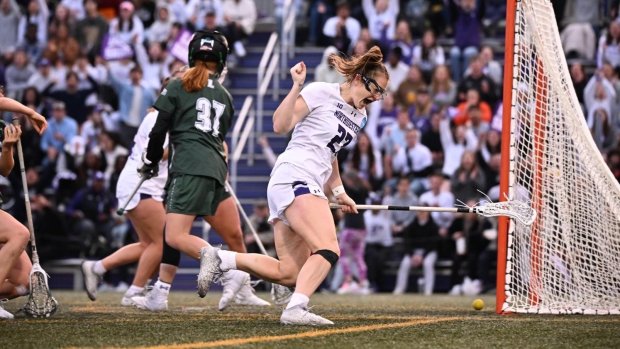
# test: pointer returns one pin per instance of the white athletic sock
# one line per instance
(228, 258)
(162, 287)
(98, 268)
(133, 290)
(21, 290)
(297, 299)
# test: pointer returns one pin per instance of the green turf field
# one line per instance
(377, 321)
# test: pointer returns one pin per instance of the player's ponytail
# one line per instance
(368, 64)
(197, 77)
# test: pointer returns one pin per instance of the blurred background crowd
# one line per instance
(95, 67)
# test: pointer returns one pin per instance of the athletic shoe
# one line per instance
(3, 313)
(281, 295)
(210, 270)
(155, 300)
(232, 282)
(91, 279)
(127, 300)
(246, 296)
(349, 288)
(300, 315)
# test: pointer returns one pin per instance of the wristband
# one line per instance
(338, 190)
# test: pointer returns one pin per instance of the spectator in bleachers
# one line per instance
(197, 10)
(33, 99)
(159, 31)
(406, 93)
(438, 196)
(73, 96)
(432, 138)
(17, 75)
(490, 67)
(239, 19)
(10, 15)
(259, 221)
(62, 47)
(92, 128)
(61, 16)
(473, 104)
(325, 71)
(478, 80)
(361, 46)
(37, 13)
(33, 48)
(580, 80)
(134, 99)
(379, 243)
(471, 246)
(581, 20)
(402, 197)
(421, 239)
(609, 45)
(177, 10)
(61, 129)
(110, 150)
(342, 30)
(599, 93)
(352, 239)
(319, 12)
(396, 68)
(468, 178)
(454, 143)
(393, 138)
(154, 63)
(381, 17)
(91, 30)
(127, 27)
(604, 129)
(494, 17)
(421, 110)
(467, 35)
(443, 88)
(415, 12)
(428, 54)
(414, 161)
(90, 213)
(403, 39)
(76, 8)
(366, 161)
(380, 115)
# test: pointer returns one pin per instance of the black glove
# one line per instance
(149, 169)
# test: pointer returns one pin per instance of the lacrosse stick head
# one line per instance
(515, 209)
(40, 302)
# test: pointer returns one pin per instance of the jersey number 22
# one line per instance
(343, 139)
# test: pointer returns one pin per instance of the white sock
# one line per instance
(98, 268)
(228, 258)
(133, 290)
(297, 299)
(21, 290)
(162, 287)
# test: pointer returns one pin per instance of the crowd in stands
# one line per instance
(94, 68)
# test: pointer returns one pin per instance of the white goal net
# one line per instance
(568, 260)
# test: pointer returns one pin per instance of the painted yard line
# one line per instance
(319, 333)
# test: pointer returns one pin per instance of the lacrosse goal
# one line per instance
(568, 260)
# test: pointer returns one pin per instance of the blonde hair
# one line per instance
(369, 64)
(196, 78)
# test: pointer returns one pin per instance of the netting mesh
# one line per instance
(568, 261)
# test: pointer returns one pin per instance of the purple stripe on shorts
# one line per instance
(300, 188)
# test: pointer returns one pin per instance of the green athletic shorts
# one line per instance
(194, 195)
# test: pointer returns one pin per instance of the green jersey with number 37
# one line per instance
(197, 129)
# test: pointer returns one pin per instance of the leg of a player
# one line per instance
(14, 238)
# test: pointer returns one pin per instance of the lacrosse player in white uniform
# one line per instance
(15, 265)
(324, 118)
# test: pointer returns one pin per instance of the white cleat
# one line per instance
(246, 296)
(127, 300)
(154, 300)
(232, 281)
(281, 295)
(91, 279)
(3, 313)
(209, 269)
(299, 315)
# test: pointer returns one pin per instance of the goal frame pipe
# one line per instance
(502, 228)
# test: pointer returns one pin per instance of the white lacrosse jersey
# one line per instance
(330, 125)
(141, 141)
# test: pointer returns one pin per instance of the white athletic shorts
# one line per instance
(127, 181)
(287, 182)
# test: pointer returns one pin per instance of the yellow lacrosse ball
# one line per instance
(478, 304)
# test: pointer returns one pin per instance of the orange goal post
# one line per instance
(568, 261)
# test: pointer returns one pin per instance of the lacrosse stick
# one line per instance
(518, 210)
(247, 220)
(121, 210)
(40, 301)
